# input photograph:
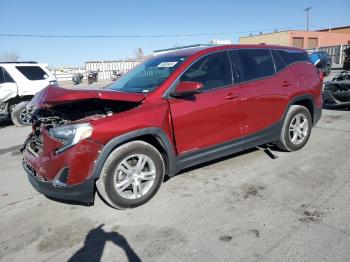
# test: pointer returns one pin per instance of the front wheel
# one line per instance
(296, 129)
(132, 175)
(19, 114)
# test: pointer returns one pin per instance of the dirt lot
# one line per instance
(246, 207)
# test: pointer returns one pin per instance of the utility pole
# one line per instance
(307, 17)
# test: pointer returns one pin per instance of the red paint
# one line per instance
(48, 164)
(188, 86)
(206, 119)
(210, 118)
(53, 95)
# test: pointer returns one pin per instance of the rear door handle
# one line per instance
(286, 83)
(231, 96)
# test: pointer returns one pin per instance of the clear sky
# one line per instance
(148, 17)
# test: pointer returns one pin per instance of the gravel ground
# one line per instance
(246, 207)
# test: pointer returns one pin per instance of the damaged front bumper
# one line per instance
(64, 176)
(82, 193)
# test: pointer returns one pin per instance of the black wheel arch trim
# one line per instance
(316, 112)
(156, 132)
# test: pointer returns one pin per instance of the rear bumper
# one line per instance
(82, 193)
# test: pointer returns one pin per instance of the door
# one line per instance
(213, 116)
(8, 87)
(262, 91)
(298, 42)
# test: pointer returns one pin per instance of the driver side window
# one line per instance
(213, 70)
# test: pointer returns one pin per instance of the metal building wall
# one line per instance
(106, 68)
(336, 53)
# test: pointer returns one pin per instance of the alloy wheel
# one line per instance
(134, 176)
(298, 129)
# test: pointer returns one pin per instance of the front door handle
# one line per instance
(231, 96)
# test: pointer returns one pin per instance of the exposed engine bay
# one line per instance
(79, 111)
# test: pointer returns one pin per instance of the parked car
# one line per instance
(19, 82)
(336, 93)
(173, 111)
(322, 61)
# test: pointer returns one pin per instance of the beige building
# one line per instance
(301, 39)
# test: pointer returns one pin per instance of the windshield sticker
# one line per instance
(167, 64)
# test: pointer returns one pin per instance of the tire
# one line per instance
(18, 114)
(286, 142)
(111, 174)
(328, 70)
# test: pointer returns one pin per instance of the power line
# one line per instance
(141, 36)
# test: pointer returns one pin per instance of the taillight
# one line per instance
(320, 74)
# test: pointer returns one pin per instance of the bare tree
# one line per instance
(12, 56)
(139, 54)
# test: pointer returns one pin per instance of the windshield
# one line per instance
(148, 75)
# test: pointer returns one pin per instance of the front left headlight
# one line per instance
(70, 135)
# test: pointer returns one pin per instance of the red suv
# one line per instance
(175, 110)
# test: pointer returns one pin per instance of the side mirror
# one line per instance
(187, 88)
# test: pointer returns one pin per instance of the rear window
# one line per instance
(255, 63)
(32, 72)
(293, 56)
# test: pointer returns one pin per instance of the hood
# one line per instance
(53, 95)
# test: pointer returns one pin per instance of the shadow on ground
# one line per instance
(95, 242)
(5, 123)
(336, 108)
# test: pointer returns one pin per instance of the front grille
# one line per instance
(35, 144)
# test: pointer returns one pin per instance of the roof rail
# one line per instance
(19, 62)
(181, 47)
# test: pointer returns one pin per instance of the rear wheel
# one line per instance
(296, 129)
(19, 114)
(131, 176)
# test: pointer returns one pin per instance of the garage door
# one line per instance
(298, 42)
